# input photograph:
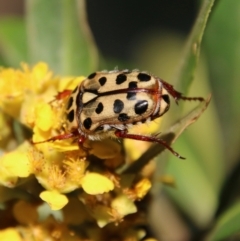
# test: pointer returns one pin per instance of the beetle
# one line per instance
(106, 104)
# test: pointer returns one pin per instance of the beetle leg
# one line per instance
(79, 138)
(178, 95)
(124, 134)
(56, 138)
(64, 136)
(61, 95)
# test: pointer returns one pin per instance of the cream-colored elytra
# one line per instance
(109, 101)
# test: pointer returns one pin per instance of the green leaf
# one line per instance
(13, 42)
(227, 225)
(58, 34)
(222, 44)
(187, 66)
(206, 132)
(194, 193)
(202, 173)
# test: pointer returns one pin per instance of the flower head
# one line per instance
(60, 171)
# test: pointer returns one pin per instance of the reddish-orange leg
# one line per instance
(61, 95)
(124, 134)
(178, 95)
(65, 136)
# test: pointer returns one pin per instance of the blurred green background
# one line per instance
(151, 35)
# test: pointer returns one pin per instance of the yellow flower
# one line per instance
(94, 183)
(123, 205)
(39, 78)
(45, 120)
(37, 99)
(10, 234)
(15, 85)
(44, 117)
(102, 215)
(52, 178)
(142, 188)
(15, 164)
(75, 168)
(57, 171)
(6, 179)
(55, 200)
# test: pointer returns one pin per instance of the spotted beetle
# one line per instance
(107, 104)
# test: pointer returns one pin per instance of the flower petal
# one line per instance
(142, 187)
(123, 205)
(44, 116)
(94, 183)
(16, 163)
(10, 234)
(54, 199)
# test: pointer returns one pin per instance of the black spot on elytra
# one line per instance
(143, 77)
(118, 106)
(70, 116)
(141, 107)
(70, 102)
(166, 99)
(102, 80)
(91, 76)
(132, 85)
(123, 117)
(121, 78)
(99, 108)
(87, 123)
(131, 95)
(78, 98)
